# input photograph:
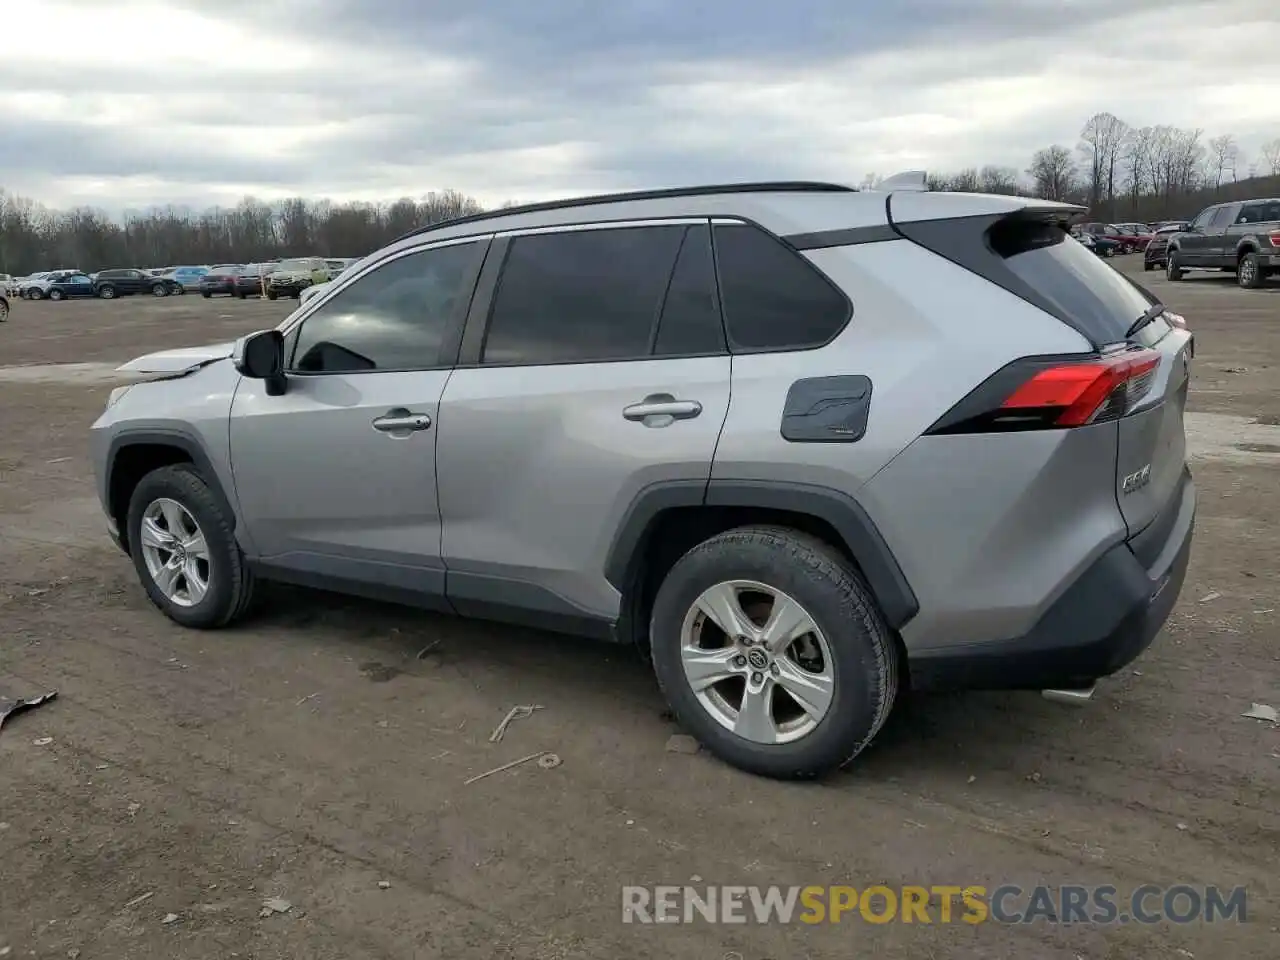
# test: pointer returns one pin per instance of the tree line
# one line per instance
(1120, 172)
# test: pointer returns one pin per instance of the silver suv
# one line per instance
(804, 445)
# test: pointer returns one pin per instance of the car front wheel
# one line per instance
(1172, 270)
(184, 550)
(771, 651)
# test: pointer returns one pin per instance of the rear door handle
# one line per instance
(662, 405)
(401, 420)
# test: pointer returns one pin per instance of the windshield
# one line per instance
(294, 265)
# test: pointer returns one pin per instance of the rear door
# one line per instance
(595, 368)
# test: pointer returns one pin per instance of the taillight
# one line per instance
(1042, 393)
(1275, 238)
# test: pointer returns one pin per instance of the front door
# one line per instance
(336, 479)
(603, 372)
(1193, 246)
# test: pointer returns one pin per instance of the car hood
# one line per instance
(178, 361)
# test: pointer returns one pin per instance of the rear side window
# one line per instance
(1268, 212)
(587, 295)
(1099, 301)
(774, 299)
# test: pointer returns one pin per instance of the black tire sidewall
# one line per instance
(844, 612)
(185, 485)
(1258, 278)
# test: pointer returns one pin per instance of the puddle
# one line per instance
(379, 672)
(1220, 436)
(77, 373)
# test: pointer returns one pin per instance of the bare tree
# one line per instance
(1271, 156)
(996, 179)
(1054, 172)
(1101, 140)
(1137, 152)
(1223, 153)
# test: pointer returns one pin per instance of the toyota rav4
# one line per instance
(807, 447)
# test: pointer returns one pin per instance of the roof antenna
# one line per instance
(907, 180)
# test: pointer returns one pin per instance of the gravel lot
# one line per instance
(313, 756)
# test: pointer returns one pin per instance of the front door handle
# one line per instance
(659, 409)
(402, 421)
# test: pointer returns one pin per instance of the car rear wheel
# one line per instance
(1249, 272)
(1172, 270)
(107, 293)
(272, 295)
(771, 651)
(1148, 265)
(55, 294)
(159, 290)
(4, 309)
(184, 550)
(206, 294)
(35, 294)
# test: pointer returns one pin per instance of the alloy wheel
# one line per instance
(175, 552)
(757, 662)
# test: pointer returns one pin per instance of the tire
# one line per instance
(240, 294)
(206, 294)
(107, 293)
(4, 309)
(857, 651)
(1172, 271)
(229, 582)
(35, 294)
(55, 295)
(1148, 265)
(272, 295)
(1250, 274)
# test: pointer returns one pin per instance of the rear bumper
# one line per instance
(1104, 620)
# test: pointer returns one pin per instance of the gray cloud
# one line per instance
(507, 98)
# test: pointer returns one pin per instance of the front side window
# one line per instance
(1221, 218)
(394, 317)
(581, 295)
(1203, 219)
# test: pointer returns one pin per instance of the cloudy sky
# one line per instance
(121, 104)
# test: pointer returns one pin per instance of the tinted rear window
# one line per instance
(1101, 302)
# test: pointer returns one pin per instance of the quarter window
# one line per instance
(598, 295)
(774, 299)
(393, 318)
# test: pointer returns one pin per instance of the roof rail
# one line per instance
(779, 186)
(916, 180)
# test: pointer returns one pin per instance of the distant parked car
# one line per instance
(1124, 238)
(187, 278)
(1153, 257)
(36, 286)
(221, 279)
(71, 286)
(124, 283)
(290, 277)
(1240, 237)
(250, 282)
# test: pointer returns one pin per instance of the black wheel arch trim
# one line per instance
(843, 513)
(183, 440)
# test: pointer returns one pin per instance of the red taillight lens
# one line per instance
(1275, 239)
(1046, 393)
(1078, 393)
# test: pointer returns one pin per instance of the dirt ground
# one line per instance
(313, 756)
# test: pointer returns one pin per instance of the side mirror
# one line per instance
(260, 356)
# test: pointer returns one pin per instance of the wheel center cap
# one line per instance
(758, 659)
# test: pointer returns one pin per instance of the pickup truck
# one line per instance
(1241, 237)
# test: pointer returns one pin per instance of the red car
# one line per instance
(1130, 236)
